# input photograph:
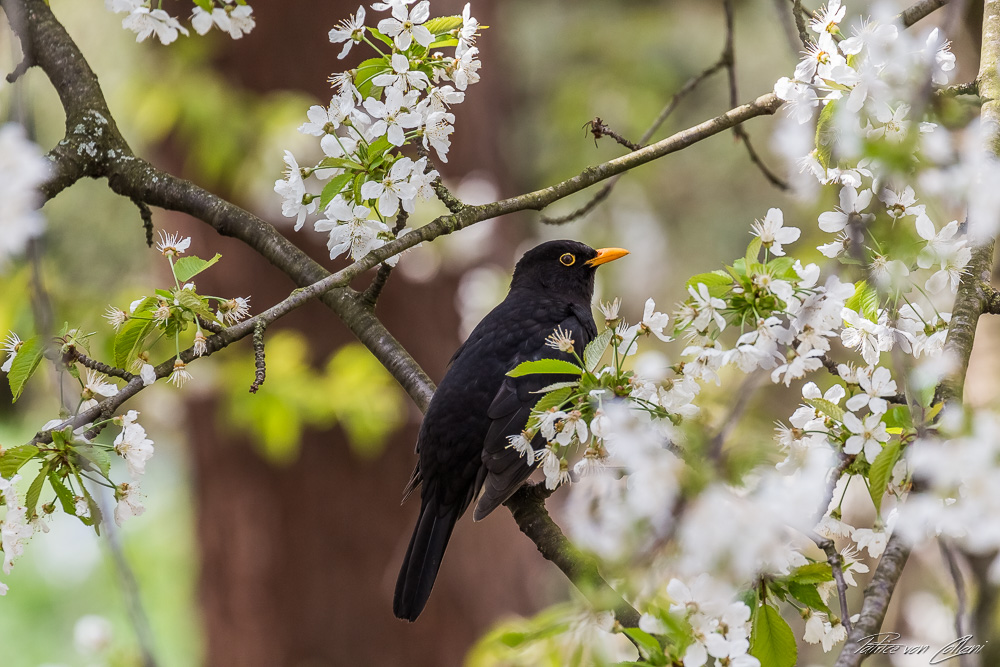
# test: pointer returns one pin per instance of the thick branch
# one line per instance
(969, 304)
(528, 507)
(877, 596)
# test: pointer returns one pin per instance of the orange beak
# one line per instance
(605, 255)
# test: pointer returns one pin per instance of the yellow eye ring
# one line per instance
(567, 259)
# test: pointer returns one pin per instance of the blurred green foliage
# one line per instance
(352, 390)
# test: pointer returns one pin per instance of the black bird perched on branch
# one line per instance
(463, 442)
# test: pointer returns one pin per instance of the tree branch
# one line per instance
(527, 505)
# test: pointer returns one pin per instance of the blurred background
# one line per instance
(274, 530)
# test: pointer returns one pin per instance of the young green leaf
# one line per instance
(65, 496)
(899, 417)
(557, 385)
(340, 163)
(334, 188)
(367, 71)
(187, 268)
(881, 472)
(552, 399)
(813, 573)
(753, 252)
(649, 648)
(864, 300)
(128, 340)
(824, 145)
(96, 456)
(828, 408)
(771, 640)
(12, 459)
(381, 37)
(35, 490)
(717, 282)
(24, 365)
(595, 349)
(808, 595)
(443, 24)
(543, 366)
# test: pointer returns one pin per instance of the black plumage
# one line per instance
(463, 441)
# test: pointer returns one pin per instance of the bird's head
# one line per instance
(566, 267)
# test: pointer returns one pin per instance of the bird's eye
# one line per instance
(567, 259)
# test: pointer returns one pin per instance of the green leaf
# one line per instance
(899, 417)
(824, 136)
(333, 188)
(808, 595)
(340, 163)
(753, 252)
(24, 365)
(557, 385)
(385, 39)
(864, 301)
(443, 24)
(12, 459)
(649, 648)
(367, 71)
(782, 268)
(35, 490)
(881, 472)
(194, 302)
(717, 282)
(443, 42)
(65, 496)
(828, 408)
(129, 339)
(595, 349)
(813, 573)
(187, 268)
(771, 640)
(97, 456)
(552, 399)
(543, 366)
(207, 5)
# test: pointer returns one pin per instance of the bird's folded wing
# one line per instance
(504, 468)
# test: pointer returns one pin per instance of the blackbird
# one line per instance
(463, 441)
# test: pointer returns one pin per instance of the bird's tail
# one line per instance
(423, 558)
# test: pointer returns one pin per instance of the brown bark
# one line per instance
(298, 563)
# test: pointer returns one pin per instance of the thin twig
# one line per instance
(800, 22)
(147, 219)
(74, 354)
(836, 562)
(22, 67)
(665, 113)
(598, 129)
(370, 296)
(130, 587)
(948, 553)
(729, 57)
(260, 369)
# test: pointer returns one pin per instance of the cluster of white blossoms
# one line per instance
(168, 313)
(958, 470)
(402, 97)
(720, 626)
(23, 169)
(231, 16)
(847, 108)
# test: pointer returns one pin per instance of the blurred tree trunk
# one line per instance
(298, 563)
